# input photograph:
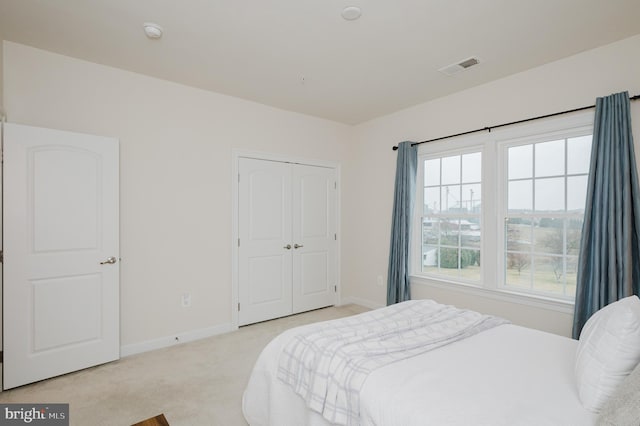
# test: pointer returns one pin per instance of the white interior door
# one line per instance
(61, 291)
(264, 253)
(314, 237)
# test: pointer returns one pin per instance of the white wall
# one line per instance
(369, 171)
(176, 147)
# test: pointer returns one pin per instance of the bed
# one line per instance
(502, 374)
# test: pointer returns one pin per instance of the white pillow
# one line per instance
(623, 408)
(608, 350)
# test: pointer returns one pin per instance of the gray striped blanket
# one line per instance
(327, 363)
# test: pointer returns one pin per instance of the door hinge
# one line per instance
(335, 185)
(238, 242)
(335, 288)
(238, 306)
(1, 258)
(1, 357)
(335, 237)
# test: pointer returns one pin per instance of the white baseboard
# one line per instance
(176, 339)
(362, 302)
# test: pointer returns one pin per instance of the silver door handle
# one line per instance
(109, 261)
(297, 246)
(288, 247)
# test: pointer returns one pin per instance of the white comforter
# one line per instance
(327, 363)
(505, 376)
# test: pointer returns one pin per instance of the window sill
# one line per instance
(495, 294)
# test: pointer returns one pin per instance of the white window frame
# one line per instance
(493, 146)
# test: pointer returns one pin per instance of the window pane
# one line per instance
(430, 230)
(549, 236)
(572, 276)
(462, 263)
(549, 274)
(472, 167)
(432, 200)
(451, 261)
(518, 273)
(472, 198)
(451, 170)
(549, 195)
(470, 262)
(520, 196)
(449, 272)
(432, 172)
(470, 233)
(518, 236)
(576, 193)
(550, 158)
(579, 154)
(451, 198)
(449, 258)
(449, 231)
(429, 258)
(521, 162)
(574, 234)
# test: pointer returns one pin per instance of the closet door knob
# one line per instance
(287, 247)
(296, 246)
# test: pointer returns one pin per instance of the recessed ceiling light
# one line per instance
(351, 13)
(153, 31)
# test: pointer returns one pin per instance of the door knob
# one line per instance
(109, 261)
(288, 247)
(296, 246)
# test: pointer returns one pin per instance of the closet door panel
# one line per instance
(264, 261)
(314, 237)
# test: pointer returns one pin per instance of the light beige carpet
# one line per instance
(194, 384)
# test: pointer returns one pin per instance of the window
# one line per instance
(451, 216)
(503, 211)
(546, 193)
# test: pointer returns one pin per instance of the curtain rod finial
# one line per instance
(395, 148)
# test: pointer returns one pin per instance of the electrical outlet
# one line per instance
(380, 282)
(186, 300)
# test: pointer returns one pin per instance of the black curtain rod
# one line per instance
(488, 129)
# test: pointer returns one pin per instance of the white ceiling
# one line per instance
(300, 55)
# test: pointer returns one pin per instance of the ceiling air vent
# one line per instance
(460, 66)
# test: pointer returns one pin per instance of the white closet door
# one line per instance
(314, 237)
(264, 255)
(61, 276)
